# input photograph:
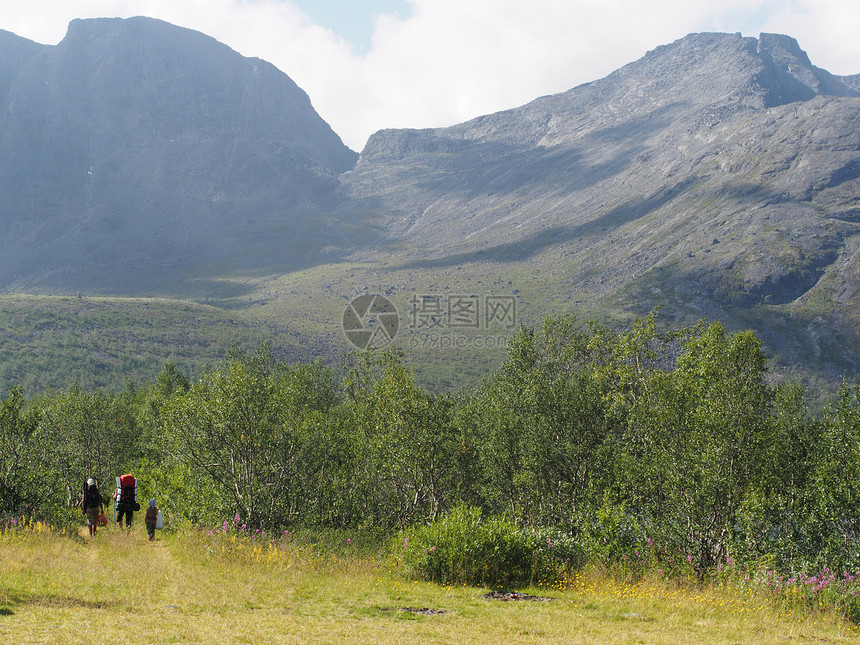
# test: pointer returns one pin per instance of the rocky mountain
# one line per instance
(717, 176)
(136, 156)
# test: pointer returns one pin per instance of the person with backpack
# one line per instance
(125, 498)
(91, 504)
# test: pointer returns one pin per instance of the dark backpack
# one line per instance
(92, 497)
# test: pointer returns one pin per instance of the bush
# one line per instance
(466, 548)
(612, 535)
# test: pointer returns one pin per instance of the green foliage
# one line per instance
(835, 486)
(626, 448)
(698, 439)
(99, 343)
(16, 430)
(79, 435)
(465, 548)
(543, 424)
(777, 517)
(406, 444)
(245, 428)
(611, 534)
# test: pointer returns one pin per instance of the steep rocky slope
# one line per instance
(136, 154)
(714, 176)
(718, 176)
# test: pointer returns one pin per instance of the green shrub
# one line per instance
(611, 535)
(466, 548)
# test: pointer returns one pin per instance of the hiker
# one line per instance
(150, 519)
(125, 497)
(91, 504)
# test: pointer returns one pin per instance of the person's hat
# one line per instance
(152, 503)
(91, 481)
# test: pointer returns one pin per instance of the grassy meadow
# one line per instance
(198, 586)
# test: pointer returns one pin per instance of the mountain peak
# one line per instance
(15, 52)
(783, 48)
(789, 75)
(134, 142)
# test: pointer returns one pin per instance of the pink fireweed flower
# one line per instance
(349, 540)
(406, 543)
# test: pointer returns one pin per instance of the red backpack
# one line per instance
(127, 489)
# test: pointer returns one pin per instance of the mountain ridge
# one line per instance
(717, 176)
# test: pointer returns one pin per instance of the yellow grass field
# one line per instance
(192, 588)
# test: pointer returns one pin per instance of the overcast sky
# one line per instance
(372, 64)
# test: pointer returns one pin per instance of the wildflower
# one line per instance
(548, 543)
(349, 540)
(406, 543)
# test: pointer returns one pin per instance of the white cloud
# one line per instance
(451, 60)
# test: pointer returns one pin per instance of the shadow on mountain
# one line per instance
(499, 166)
(535, 243)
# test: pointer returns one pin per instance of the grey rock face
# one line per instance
(720, 161)
(717, 176)
(134, 149)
